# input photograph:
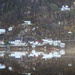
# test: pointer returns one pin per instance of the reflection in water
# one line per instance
(27, 61)
(49, 55)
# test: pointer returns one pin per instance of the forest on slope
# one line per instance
(13, 11)
(46, 14)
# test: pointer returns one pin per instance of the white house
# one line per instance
(10, 28)
(20, 44)
(27, 22)
(62, 45)
(2, 31)
(64, 8)
(2, 66)
(12, 42)
(10, 68)
(16, 40)
(69, 32)
(46, 41)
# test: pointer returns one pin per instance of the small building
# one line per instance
(2, 66)
(16, 40)
(65, 8)
(69, 32)
(2, 31)
(27, 22)
(10, 29)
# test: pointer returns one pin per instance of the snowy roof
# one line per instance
(70, 32)
(70, 64)
(10, 68)
(27, 22)
(10, 28)
(2, 66)
(2, 31)
(65, 8)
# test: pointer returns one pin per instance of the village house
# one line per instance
(17, 42)
(2, 31)
(26, 23)
(65, 8)
(10, 28)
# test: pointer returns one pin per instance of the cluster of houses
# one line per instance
(34, 53)
(17, 42)
(47, 41)
(3, 31)
(34, 43)
(3, 67)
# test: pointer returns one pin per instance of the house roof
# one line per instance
(2, 31)
(10, 28)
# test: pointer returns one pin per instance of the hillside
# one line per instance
(45, 14)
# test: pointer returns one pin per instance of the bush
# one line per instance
(72, 14)
(53, 7)
(6, 42)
